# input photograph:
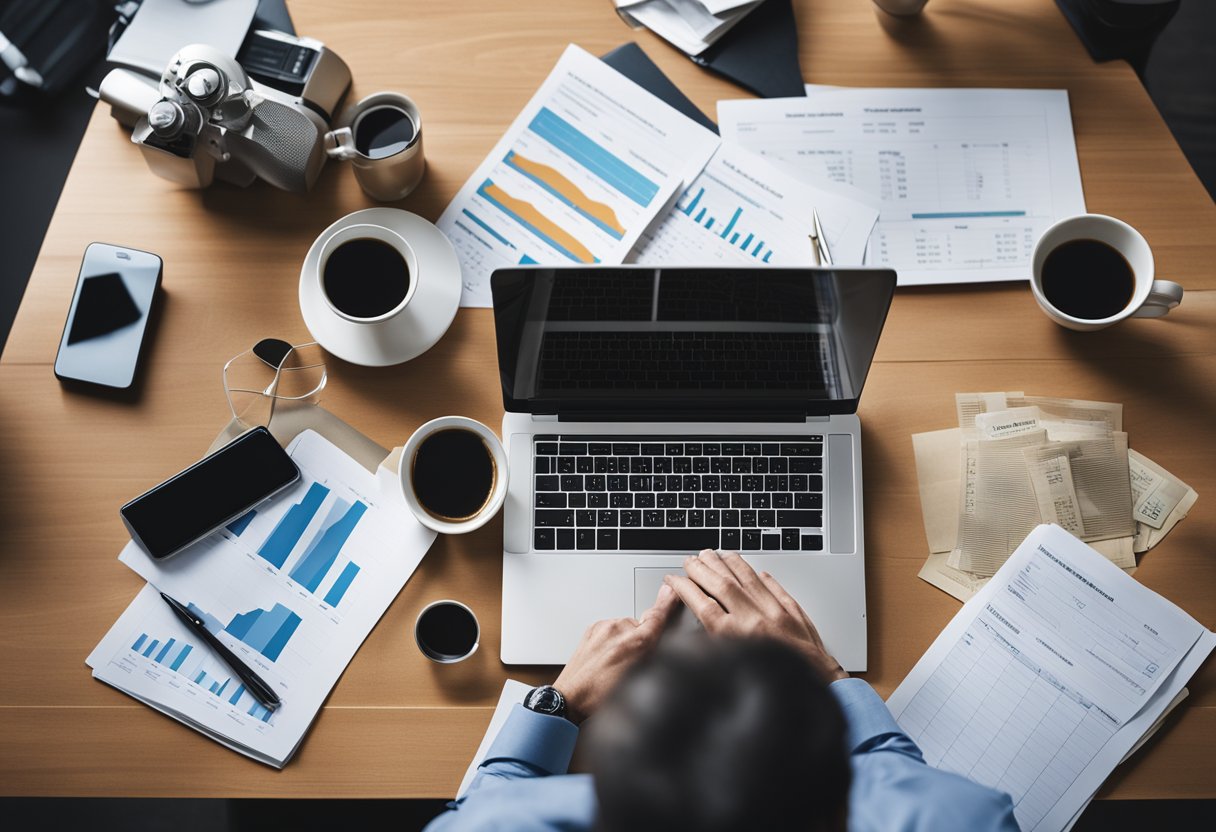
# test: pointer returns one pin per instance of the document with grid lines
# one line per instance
(1048, 677)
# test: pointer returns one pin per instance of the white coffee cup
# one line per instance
(498, 489)
(367, 231)
(1149, 299)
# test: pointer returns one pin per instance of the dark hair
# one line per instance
(716, 735)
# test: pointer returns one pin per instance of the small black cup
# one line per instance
(447, 632)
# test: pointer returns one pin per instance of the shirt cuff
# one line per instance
(539, 740)
(865, 713)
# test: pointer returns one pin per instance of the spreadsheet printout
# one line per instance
(1048, 677)
(969, 179)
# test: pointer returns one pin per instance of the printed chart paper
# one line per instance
(969, 179)
(743, 210)
(587, 165)
(293, 587)
(1048, 677)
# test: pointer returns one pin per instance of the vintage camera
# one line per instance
(261, 115)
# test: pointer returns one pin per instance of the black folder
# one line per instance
(634, 64)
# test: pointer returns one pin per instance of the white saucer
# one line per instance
(417, 327)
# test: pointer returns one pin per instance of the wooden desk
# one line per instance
(395, 724)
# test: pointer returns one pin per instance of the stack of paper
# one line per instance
(692, 26)
(968, 180)
(1049, 677)
(293, 588)
(596, 169)
(1016, 461)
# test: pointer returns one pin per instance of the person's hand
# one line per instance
(730, 599)
(608, 649)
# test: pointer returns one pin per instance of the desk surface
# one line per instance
(395, 724)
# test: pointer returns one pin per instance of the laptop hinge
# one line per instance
(681, 416)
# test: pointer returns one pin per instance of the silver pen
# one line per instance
(822, 253)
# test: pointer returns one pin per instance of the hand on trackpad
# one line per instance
(646, 583)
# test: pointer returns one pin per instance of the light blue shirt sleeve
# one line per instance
(894, 789)
(522, 783)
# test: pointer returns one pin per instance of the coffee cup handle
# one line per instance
(1163, 296)
(340, 144)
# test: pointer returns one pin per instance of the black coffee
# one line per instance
(366, 278)
(1088, 279)
(446, 631)
(453, 474)
(383, 131)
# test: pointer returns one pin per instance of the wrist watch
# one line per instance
(546, 699)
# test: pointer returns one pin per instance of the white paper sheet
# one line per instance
(968, 178)
(587, 165)
(293, 590)
(513, 694)
(1047, 677)
(744, 210)
(162, 27)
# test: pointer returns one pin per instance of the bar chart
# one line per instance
(321, 533)
(195, 666)
(750, 242)
(266, 631)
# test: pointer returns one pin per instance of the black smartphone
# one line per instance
(103, 337)
(209, 494)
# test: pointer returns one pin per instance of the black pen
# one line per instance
(253, 682)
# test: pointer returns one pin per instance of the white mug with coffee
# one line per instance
(367, 273)
(447, 632)
(382, 137)
(453, 474)
(1091, 271)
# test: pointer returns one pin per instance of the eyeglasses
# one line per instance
(270, 371)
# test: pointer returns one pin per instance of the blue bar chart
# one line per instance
(325, 547)
(307, 540)
(290, 528)
(218, 684)
(727, 233)
(266, 631)
(241, 523)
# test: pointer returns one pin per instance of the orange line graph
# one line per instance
(527, 212)
(556, 181)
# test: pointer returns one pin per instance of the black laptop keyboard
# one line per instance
(681, 360)
(654, 494)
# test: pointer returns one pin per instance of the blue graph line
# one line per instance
(963, 215)
(487, 228)
(588, 153)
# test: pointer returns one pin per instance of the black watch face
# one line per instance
(546, 700)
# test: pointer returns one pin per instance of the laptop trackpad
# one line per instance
(646, 583)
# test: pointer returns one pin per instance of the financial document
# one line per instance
(743, 210)
(293, 587)
(1048, 677)
(968, 179)
(587, 165)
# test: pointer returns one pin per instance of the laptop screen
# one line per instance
(646, 342)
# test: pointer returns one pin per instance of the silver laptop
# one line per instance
(652, 413)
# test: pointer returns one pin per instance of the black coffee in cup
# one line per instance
(446, 631)
(453, 474)
(366, 278)
(1088, 279)
(383, 131)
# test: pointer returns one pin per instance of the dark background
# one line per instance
(37, 146)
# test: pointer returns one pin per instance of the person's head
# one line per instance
(718, 735)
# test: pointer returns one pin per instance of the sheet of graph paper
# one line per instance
(1048, 676)
(969, 179)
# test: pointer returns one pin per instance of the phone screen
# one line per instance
(109, 315)
(213, 491)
